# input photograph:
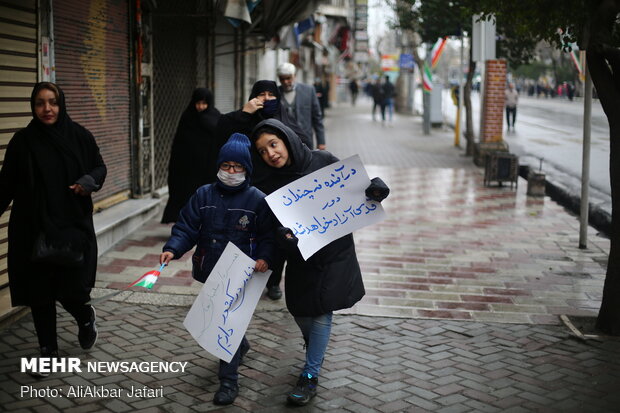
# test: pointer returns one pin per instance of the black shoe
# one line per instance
(304, 390)
(226, 394)
(87, 334)
(274, 292)
(46, 352)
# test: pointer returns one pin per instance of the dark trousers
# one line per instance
(511, 111)
(276, 268)
(230, 371)
(44, 318)
(381, 108)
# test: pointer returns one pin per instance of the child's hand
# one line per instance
(377, 190)
(165, 257)
(261, 266)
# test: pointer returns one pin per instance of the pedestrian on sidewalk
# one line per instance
(512, 99)
(329, 280)
(302, 104)
(194, 151)
(227, 210)
(265, 102)
(50, 169)
(354, 89)
(378, 99)
(388, 95)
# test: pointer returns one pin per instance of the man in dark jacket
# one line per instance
(302, 104)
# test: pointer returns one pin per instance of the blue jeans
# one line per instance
(229, 371)
(316, 331)
(389, 104)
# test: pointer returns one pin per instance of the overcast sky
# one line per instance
(379, 13)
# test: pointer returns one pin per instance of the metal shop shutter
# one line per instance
(92, 67)
(224, 67)
(174, 76)
(18, 73)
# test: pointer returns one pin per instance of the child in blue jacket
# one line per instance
(227, 210)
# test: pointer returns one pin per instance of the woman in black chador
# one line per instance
(50, 169)
(194, 152)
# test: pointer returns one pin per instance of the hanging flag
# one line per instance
(576, 61)
(238, 11)
(147, 281)
(427, 79)
(437, 50)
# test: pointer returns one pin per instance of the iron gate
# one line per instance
(177, 28)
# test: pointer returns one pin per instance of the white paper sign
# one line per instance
(326, 205)
(223, 309)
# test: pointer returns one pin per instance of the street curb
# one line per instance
(567, 192)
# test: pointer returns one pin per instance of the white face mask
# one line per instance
(229, 179)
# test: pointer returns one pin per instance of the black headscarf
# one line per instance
(208, 118)
(61, 154)
(265, 86)
(281, 113)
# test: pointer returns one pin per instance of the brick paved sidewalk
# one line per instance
(464, 288)
(373, 364)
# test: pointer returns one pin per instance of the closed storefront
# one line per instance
(18, 73)
(181, 50)
(92, 67)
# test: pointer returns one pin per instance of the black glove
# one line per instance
(377, 190)
(286, 239)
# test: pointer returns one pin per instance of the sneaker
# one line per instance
(46, 352)
(274, 292)
(226, 394)
(87, 334)
(304, 390)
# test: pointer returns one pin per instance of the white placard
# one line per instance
(223, 309)
(326, 204)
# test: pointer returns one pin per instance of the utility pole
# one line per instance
(426, 99)
(585, 162)
(457, 129)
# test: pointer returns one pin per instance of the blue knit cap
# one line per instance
(237, 149)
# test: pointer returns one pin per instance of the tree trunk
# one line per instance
(606, 82)
(469, 127)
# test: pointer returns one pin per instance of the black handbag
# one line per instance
(57, 246)
(60, 251)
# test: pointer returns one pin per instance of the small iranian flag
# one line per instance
(427, 79)
(147, 281)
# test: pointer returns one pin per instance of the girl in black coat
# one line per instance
(194, 152)
(330, 279)
(50, 169)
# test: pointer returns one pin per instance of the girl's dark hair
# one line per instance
(46, 85)
(273, 131)
(268, 129)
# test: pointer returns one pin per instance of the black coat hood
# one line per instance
(331, 278)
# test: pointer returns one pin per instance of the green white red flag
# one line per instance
(427, 79)
(147, 281)
(437, 50)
